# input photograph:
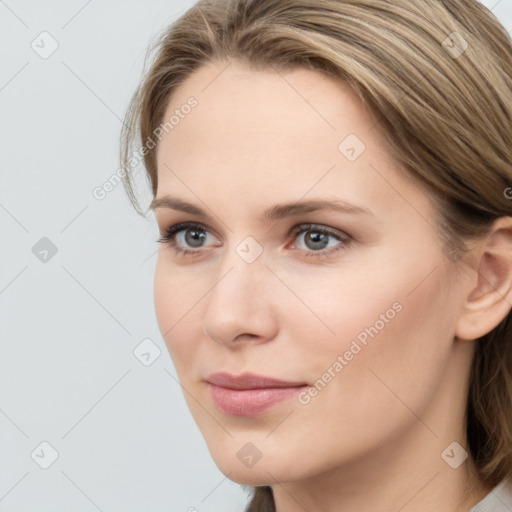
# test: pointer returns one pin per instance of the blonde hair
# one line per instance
(437, 75)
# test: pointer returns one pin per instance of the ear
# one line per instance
(491, 300)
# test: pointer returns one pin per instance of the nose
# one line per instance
(241, 307)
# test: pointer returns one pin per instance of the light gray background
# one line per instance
(123, 433)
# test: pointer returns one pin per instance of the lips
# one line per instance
(249, 394)
(249, 381)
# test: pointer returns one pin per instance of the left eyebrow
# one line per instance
(287, 210)
(277, 212)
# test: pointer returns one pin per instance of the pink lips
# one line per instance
(249, 394)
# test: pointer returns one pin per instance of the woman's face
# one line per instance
(362, 314)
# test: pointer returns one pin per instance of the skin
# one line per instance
(383, 422)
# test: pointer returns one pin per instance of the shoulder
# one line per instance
(498, 500)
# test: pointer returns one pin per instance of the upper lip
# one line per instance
(249, 381)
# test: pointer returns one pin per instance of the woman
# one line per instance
(331, 181)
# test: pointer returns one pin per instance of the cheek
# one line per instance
(172, 296)
(390, 317)
(391, 336)
(340, 306)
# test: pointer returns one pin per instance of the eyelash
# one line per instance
(170, 238)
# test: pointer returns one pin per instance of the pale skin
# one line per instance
(373, 438)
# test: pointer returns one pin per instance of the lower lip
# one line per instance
(249, 402)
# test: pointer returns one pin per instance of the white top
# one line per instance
(498, 500)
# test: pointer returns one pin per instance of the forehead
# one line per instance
(242, 114)
(260, 132)
(245, 106)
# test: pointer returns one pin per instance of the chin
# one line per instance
(249, 478)
(267, 470)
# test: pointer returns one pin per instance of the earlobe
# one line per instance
(489, 302)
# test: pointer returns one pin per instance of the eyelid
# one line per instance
(168, 235)
(311, 226)
(183, 226)
(345, 240)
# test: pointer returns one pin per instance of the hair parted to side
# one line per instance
(446, 116)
